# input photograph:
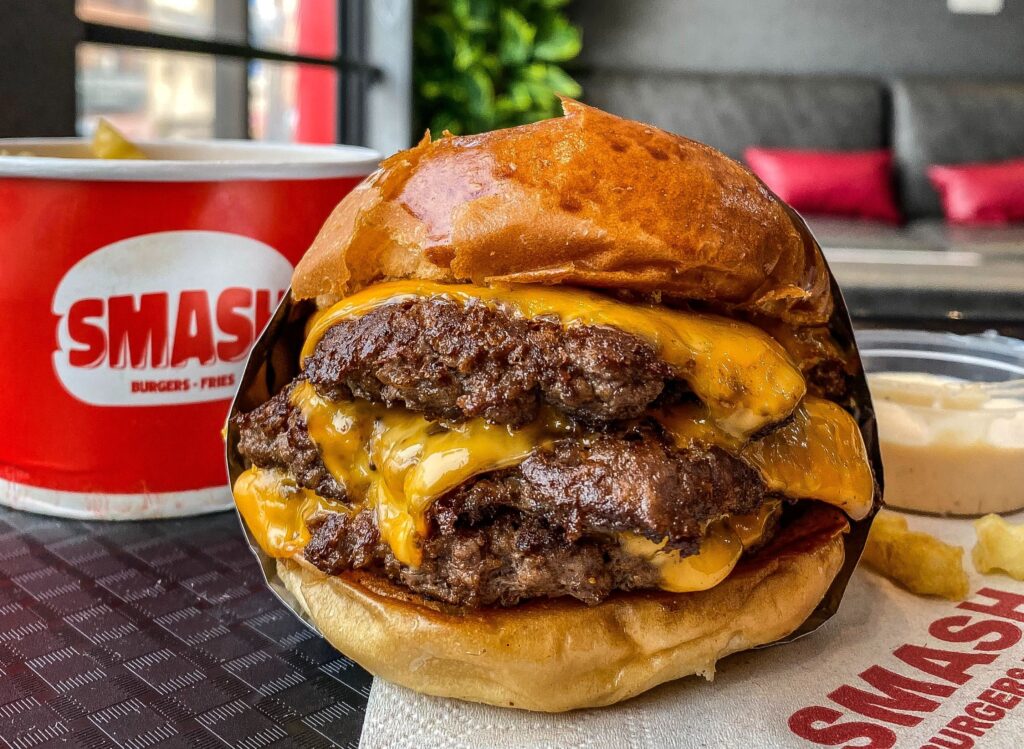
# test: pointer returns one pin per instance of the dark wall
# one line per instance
(869, 37)
(37, 67)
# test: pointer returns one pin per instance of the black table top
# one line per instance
(159, 633)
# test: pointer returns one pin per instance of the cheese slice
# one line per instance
(720, 550)
(277, 513)
(741, 373)
(276, 510)
(818, 454)
(397, 462)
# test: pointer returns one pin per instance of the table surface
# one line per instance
(159, 633)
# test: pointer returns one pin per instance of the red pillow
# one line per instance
(981, 193)
(840, 183)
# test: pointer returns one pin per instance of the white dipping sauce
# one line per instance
(950, 446)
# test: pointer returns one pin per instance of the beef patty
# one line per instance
(454, 361)
(506, 558)
(274, 435)
(543, 528)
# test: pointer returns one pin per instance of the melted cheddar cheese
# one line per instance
(276, 510)
(741, 373)
(720, 550)
(818, 454)
(397, 462)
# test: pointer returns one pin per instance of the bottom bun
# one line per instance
(555, 655)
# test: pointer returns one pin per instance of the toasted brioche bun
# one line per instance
(560, 654)
(588, 199)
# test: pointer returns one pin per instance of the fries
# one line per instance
(921, 563)
(109, 143)
(1000, 547)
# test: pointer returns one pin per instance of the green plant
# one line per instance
(484, 64)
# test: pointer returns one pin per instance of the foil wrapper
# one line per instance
(274, 362)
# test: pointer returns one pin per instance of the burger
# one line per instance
(571, 418)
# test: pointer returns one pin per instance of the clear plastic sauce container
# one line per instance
(950, 413)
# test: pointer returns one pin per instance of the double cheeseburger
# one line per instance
(568, 420)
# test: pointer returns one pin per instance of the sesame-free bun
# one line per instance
(556, 655)
(587, 199)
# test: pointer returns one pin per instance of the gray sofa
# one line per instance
(920, 272)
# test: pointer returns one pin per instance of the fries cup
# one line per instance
(132, 292)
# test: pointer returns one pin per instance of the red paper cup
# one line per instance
(131, 293)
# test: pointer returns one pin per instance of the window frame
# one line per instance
(354, 73)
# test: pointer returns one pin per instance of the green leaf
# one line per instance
(562, 83)
(492, 64)
(432, 89)
(558, 42)
(467, 53)
(535, 72)
(481, 16)
(479, 93)
(445, 121)
(519, 93)
(517, 37)
(481, 64)
(505, 110)
(461, 11)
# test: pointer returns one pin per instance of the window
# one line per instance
(283, 70)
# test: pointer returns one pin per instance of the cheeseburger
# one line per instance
(570, 418)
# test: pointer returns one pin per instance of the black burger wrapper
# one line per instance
(274, 362)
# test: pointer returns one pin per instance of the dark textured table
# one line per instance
(158, 633)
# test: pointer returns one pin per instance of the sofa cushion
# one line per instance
(837, 183)
(985, 193)
(951, 122)
(733, 112)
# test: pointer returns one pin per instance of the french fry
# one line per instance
(1000, 547)
(919, 562)
(109, 143)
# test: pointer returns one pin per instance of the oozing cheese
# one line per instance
(398, 462)
(276, 510)
(720, 550)
(818, 454)
(746, 379)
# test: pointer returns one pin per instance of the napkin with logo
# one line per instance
(889, 669)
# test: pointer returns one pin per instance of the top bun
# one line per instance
(587, 199)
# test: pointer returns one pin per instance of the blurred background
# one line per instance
(916, 83)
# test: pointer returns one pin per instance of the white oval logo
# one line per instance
(165, 318)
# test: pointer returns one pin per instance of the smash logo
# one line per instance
(164, 318)
(137, 331)
(875, 709)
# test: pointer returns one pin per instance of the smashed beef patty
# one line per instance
(482, 551)
(454, 361)
(632, 480)
(507, 558)
(544, 528)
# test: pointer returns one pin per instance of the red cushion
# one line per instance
(839, 183)
(981, 193)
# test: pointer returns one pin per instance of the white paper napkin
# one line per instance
(754, 695)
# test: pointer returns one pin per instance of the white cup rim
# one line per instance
(186, 161)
